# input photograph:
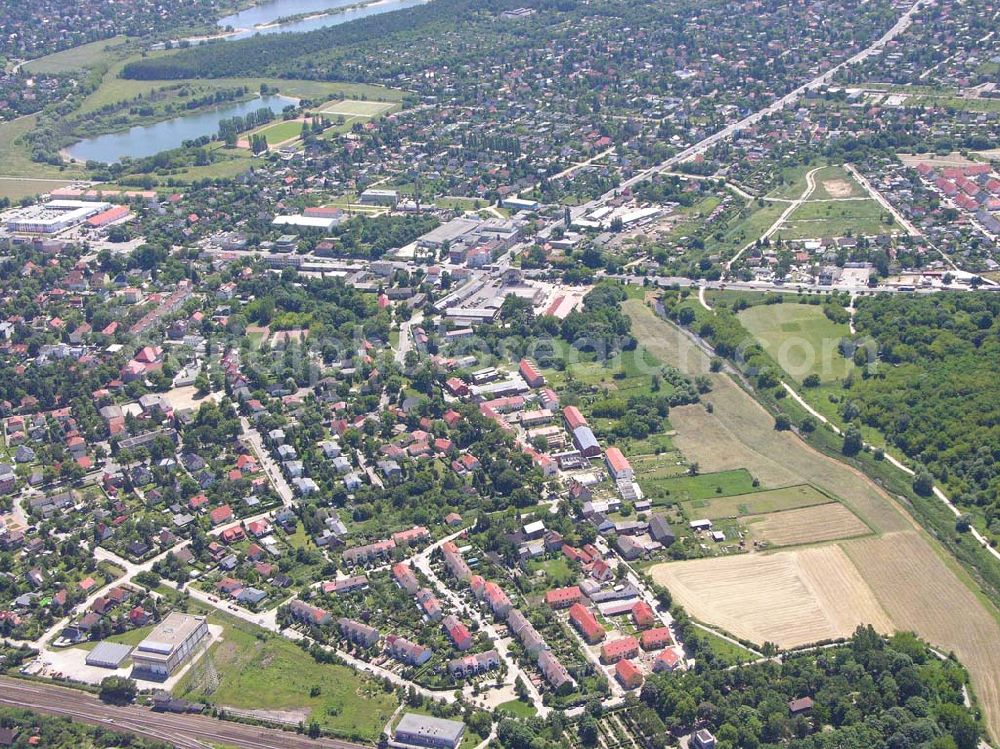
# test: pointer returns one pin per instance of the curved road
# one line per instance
(792, 206)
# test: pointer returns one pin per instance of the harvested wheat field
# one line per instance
(902, 577)
(921, 593)
(807, 525)
(797, 597)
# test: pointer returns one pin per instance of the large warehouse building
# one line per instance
(54, 216)
(169, 645)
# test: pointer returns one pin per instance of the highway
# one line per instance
(183, 731)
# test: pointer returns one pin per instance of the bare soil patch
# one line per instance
(187, 397)
(838, 188)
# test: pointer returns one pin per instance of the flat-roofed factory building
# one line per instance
(108, 655)
(54, 216)
(426, 730)
(170, 644)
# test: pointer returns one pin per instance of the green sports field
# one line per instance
(279, 132)
(356, 107)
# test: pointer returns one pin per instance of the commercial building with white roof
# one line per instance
(171, 643)
(54, 216)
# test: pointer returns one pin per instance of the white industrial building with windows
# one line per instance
(171, 643)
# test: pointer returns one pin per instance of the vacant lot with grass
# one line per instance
(743, 228)
(273, 674)
(807, 525)
(793, 182)
(16, 188)
(664, 341)
(835, 182)
(790, 598)
(801, 338)
(15, 159)
(758, 503)
(819, 220)
(77, 58)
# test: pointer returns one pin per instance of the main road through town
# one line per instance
(183, 731)
(701, 146)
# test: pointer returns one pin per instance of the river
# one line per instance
(258, 19)
(148, 140)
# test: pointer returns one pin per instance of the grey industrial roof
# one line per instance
(108, 654)
(429, 726)
(585, 437)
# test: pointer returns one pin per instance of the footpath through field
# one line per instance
(917, 583)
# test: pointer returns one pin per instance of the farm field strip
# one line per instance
(895, 579)
(807, 525)
(683, 488)
(757, 503)
(797, 597)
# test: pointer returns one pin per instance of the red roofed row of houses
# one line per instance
(530, 374)
(614, 651)
(573, 418)
(457, 632)
(454, 561)
(560, 598)
(411, 536)
(313, 615)
(405, 651)
(493, 594)
(586, 623)
(628, 675)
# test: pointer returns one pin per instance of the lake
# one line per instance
(270, 11)
(148, 140)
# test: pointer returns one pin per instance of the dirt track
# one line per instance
(915, 581)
